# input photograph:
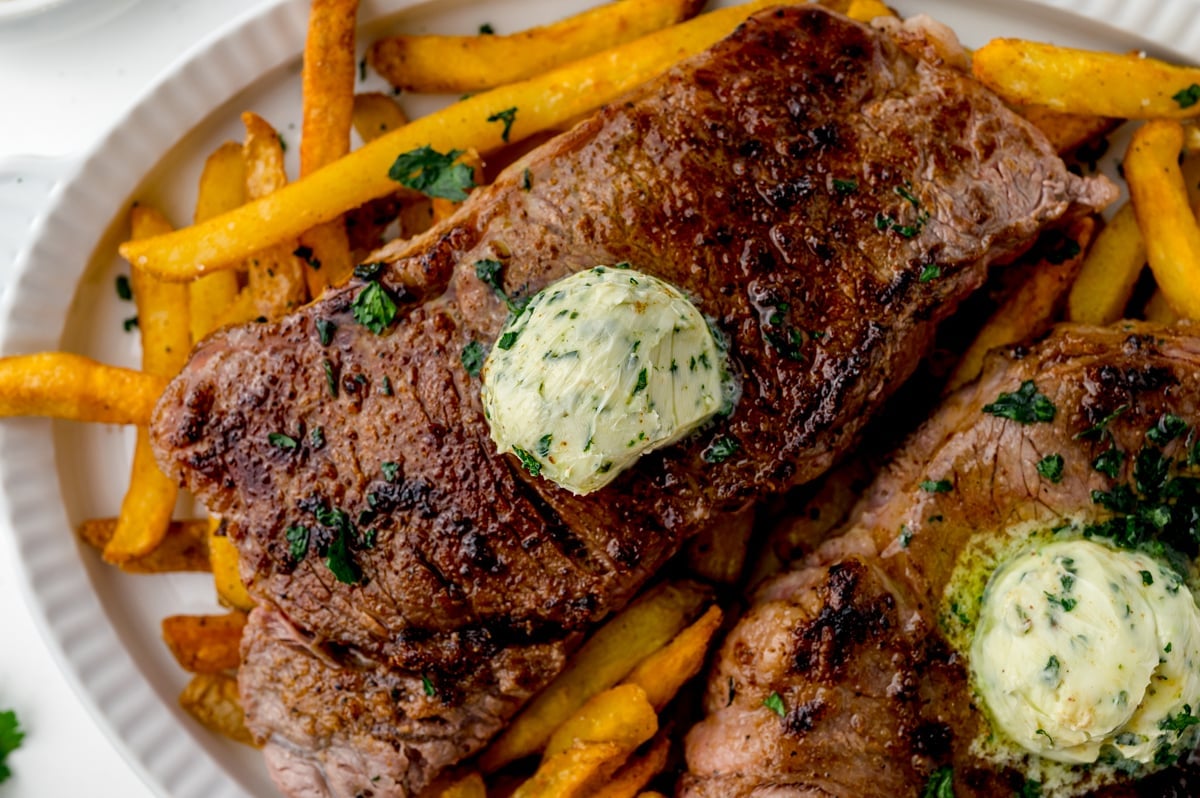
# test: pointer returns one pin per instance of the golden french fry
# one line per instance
(1030, 311)
(240, 310)
(457, 64)
(166, 341)
(222, 188)
(1127, 86)
(212, 699)
(416, 217)
(607, 657)
(469, 786)
(205, 643)
(662, 673)
(1109, 272)
(543, 103)
(376, 114)
(1068, 132)
(867, 10)
(1158, 310)
(651, 794)
(73, 387)
(574, 773)
(637, 772)
(443, 208)
(184, 548)
(276, 272)
(1160, 202)
(226, 574)
(620, 714)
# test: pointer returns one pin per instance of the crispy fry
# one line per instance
(543, 103)
(166, 341)
(277, 273)
(212, 699)
(1160, 202)
(638, 771)
(469, 786)
(328, 106)
(226, 574)
(1067, 132)
(184, 548)
(662, 673)
(205, 643)
(376, 114)
(867, 10)
(1030, 310)
(457, 64)
(620, 714)
(73, 387)
(444, 208)
(574, 773)
(611, 653)
(1127, 86)
(240, 310)
(1109, 272)
(1158, 310)
(222, 188)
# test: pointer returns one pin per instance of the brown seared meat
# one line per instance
(824, 192)
(855, 644)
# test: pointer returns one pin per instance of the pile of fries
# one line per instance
(261, 246)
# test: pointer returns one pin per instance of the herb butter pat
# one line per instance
(597, 370)
(1082, 650)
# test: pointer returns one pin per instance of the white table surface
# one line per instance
(65, 77)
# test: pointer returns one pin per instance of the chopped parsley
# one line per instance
(940, 784)
(488, 271)
(940, 486)
(1187, 97)
(1025, 406)
(305, 254)
(526, 180)
(370, 271)
(124, 287)
(340, 561)
(774, 702)
(473, 355)
(507, 340)
(845, 187)
(1109, 462)
(374, 308)
(279, 440)
(1147, 580)
(330, 378)
(930, 273)
(1179, 723)
(130, 324)
(1051, 467)
(531, 463)
(720, 450)
(486, 29)
(543, 444)
(11, 737)
(1166, 429)
(1062, 602)
(905, 537)
(427, 686)
(1051, 671)
(390, 470)
(317, 436)
(325, 331)
(434, 174)
(297, 538)
(507, 116)
(641, 383)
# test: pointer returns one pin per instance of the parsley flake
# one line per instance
(427, 686)
(374, 308)
(473, 355)
(1025, 406)
(434, 174)
(390, 470)
(124, 287)
(774, 702)
(278, 439)
(297, 538)
(1051, 467)
(11, 737)
(1179, 723)
(940, 486)
(325, 331)
(531, 463)
(305, 253)
(339, 560)
(507, 116)
(940, 784)
(1187, 97)
(720, 450)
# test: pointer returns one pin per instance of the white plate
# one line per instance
(102, 625)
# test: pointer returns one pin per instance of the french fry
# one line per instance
(443, 208)
(662, 673)
(205, 643)
(76, 388)
(1030, 311)
(276, 272)
(1160, 202)
(212, 699)
(327, 79)
(469, 786)
(575, 773)
(457, 64)
(240, 310)
(544, 103)
(226, 574)
(637, 772)
(376, 114)
(620, 714)
(184, 548)
(166, 341)
(1109, 272)
(1126, 86)
(1067, 132)
(606, 658)
(222, 188)
(651, 794)
(1158, 310)
(867, 10)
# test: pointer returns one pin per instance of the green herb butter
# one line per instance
(597, 370)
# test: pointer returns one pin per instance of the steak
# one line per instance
(855, 642)
(800, 182)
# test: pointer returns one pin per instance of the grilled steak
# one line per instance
(855, 643)
(801, 182)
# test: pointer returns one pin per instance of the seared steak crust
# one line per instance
(892, 693)
(822, 195)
